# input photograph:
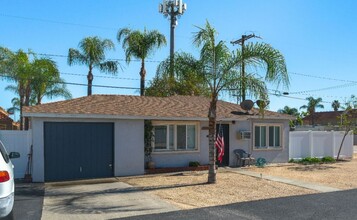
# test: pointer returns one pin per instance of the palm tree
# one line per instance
(289, 111)
(293, 112)
(221, 71)
(261, 55)
(92, 54)
(311, 107)
(16, 66)
(335, 105)
(46, 81)
(217, 66)
(140, 45)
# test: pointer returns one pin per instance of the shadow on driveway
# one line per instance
(28, 201)
(334, 205)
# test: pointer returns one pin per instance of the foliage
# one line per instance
(328, 159)
(313, 160)
(293, 112)
(335, 105)
(351, 103)
(311, 107)
(148, 138)
(188, 79)
(92, 54)
(194, 164)
(221, 71)
(260, 56)
(346, 125)
(33, 79)
(140, 45)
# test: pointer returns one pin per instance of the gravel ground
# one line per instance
(189, 190)
(342, 175)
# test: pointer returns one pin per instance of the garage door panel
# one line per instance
(78, 150)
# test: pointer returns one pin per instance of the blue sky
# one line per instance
(316, 37)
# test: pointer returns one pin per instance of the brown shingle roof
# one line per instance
(119, 106)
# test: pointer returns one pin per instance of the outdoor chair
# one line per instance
(243, 158)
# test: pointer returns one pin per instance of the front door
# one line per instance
(225, 128)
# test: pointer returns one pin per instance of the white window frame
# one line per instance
(267, 125)
(175, 124)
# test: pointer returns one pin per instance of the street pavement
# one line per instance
(332, 205)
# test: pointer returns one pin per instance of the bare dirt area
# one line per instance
(342, 174)
(190, 190)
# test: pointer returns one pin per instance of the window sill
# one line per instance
(175, 152)
(268, 149)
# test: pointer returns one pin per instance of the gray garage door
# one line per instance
(78, 150)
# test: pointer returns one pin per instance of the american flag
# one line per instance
(219, 143)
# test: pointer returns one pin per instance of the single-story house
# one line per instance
(332, 118)
(103, 135)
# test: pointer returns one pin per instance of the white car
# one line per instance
(7, 184)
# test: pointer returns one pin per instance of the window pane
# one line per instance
(271, 136)
(160, 137)
(257, 136)
(171, 137)
(181, 137)
(263, 137)
(277, 136)
(191, 137)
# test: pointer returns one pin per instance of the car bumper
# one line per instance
(6, 204)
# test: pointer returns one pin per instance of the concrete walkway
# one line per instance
(307, 185)
(99, 200)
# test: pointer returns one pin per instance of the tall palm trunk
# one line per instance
(142, 78)
(211, 137)
(21, 118)
(90, 80)
(39, 99)
(27, 103)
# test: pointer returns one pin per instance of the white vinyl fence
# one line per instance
(19, 141)
(319, 144)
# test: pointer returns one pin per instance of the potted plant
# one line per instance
(148, 139)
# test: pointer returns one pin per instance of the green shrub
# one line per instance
(193, 163)
(292, 161)
(328, 159)
(310, 160)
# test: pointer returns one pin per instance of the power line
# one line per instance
(79, 84)
(101, 76)
(322, 77)
(56, 22)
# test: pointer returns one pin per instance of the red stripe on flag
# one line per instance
(219, 143)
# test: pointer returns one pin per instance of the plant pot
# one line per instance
(151, 165)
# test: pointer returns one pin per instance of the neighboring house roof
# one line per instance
(6, 123)
(325, 118)
(144, 107)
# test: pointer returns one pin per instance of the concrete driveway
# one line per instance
(99, 199)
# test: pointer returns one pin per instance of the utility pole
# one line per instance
(174, 9)
(241, 42)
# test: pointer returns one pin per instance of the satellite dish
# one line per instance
(262, 103)
(247, 105)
